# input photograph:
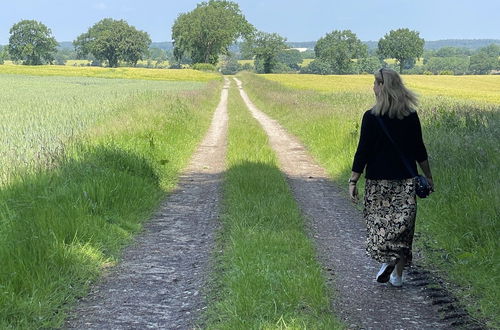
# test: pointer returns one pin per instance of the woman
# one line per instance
(390, 203)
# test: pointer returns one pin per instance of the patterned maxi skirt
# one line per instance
(390, 208)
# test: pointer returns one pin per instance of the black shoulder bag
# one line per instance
(422, 185)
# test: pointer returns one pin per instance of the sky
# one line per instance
(296, 20)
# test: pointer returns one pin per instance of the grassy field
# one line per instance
(482, 88)
(458, 226)
(99, 72)
(40, 114)
(111, 150)
(267, 276)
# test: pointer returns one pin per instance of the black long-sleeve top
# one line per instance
(377, 152)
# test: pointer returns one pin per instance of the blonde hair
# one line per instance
(394, 98)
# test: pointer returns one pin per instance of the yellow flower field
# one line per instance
(484, 88)
(98, 72)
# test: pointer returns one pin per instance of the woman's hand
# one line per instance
(431, 183)
(353, 192)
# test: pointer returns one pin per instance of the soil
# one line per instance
(159, 282)
(338, 230)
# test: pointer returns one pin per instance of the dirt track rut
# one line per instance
(160, 280)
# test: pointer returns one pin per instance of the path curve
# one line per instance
(339, 234)
(160, 280)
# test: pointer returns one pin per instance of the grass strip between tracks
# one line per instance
(267, 276)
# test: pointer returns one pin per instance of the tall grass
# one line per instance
(267, 276)
(40, 114)
(458, 226)
(61, 225)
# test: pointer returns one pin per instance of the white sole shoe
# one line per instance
(385, 272)
(396, 280)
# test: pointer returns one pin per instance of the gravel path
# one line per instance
(339, 234)
(160, 280)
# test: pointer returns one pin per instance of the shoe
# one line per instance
(385, 272)
(396, 280)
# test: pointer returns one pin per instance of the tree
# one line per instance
(403, 45)
(207, 31)
(455, 64)
(318, 66)
(291, 58)
(369, 64)
(266, 47)
(339, 48)
(485, 60)
(32, 43)
(113, 41)
(3, 54)
(230, 65)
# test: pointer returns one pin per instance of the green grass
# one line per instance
(40, 114)
(61, 225)
(458, 226)
(267, 276)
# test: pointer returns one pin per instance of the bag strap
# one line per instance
(401, 155)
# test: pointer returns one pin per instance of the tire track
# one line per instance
(339, 234)
(159, 282)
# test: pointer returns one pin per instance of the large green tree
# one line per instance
(32, 43)
(113, 41)
(403, 45)
(485, 60)
(266, 47)
(338, 49)
(206, 32)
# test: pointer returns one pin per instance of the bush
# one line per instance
(446, 72)
(247, 67)
(317, 67)
(369, 64)
(204, 67)
(230, 66)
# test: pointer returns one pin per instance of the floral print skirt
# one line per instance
(390, 208)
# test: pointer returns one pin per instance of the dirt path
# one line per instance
(159, 281)
(339, 233)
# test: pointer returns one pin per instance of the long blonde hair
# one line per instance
(394, 98)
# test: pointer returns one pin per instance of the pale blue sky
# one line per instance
(297, 20)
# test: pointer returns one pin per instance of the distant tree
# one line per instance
(318, 66)
(113, 41)
(291, 58)
(207, 31)
(32, 43)
(485, 60)
(309, 53)
(455, 64)
(230, 64)
(401, 44)
(266, 47)
(369, 64)
(339, 48)
(3, 54)
(452, 52)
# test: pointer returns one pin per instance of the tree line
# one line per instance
(206, 34)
